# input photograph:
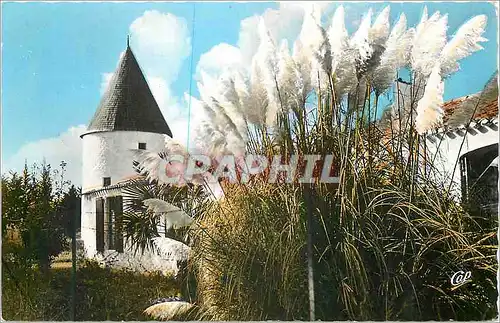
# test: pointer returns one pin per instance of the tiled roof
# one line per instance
(462, 109)
(128, 103)
(475, 107)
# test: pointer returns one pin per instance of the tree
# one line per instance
(34, 211)
(70, 210)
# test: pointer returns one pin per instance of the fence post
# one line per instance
(73, 263)
(310, 263)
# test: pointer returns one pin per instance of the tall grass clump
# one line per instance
(389, 235)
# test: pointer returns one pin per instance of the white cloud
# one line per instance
(218, 58)
(283, 23)
(161, 42)
(65, 147)
(105, 79)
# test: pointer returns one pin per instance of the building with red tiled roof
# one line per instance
(469, 134)
(463, 149)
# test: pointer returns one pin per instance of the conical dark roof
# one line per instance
(128, 103)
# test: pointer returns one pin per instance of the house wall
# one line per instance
(109, 154)
(148, 261)
(88, 225)
(446, 149)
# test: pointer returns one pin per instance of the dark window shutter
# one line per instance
(109, 223)
(99, 234)
(118, 207)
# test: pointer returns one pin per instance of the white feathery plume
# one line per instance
(381, 27)
(429, 108)
(316, 48)
(303, 70)
(285, 64)
(395, 56)
(343, 56)
(360, 40)
(425, 16)
(217, 139)
(226, 95)
(464, 43)
(216, 112)
(337, 37)
(288, 77)
(267, 62)
(321, 64)
(345, 78)
(173, 147)
(258, 107)
(208, 128)
(173, 216)
(429, 40)
(241, 86)
(209, 103)
(311, 36)
(377, 37)
(311, 44)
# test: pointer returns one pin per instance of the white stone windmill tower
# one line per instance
(127, 120)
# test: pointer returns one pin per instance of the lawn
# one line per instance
(101, 293)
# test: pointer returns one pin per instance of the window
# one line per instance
(109, 223)
(106, 181)
(142, 145)
(479, 177)
(99, 235)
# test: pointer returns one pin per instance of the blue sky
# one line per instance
(54, 56)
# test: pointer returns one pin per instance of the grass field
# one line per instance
(101, 293)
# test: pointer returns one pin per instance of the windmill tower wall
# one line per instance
(109, 155)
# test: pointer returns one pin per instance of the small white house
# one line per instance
(127, 121)
(465, 148)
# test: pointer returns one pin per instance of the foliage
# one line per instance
(36, 213)
(141, 226)
(102, 294)
(69, 208)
